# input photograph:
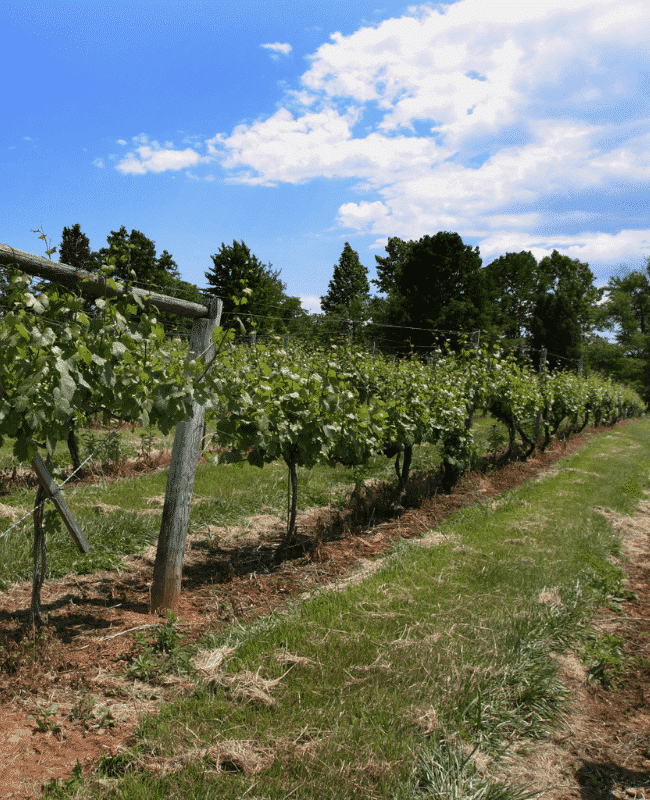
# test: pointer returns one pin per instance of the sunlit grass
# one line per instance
(445, 653)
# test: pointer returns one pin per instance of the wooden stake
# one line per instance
(168, 567)
(54, 492)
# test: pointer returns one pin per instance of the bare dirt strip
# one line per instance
(602, 750)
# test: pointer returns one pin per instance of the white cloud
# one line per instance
(627, 246)
(121, 141)
(292, 149)
(522, 125)
(311, 303)
(563, 162)
(99, 163)
(278, 49)
(153, 158)
(469, 117)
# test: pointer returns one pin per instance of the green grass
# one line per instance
(443, 653)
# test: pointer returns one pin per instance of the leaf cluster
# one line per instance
(58, 363)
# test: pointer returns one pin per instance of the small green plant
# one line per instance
(604, 658)
(57, 788)
(115, 450)
(82, 709)
(143, 666)
(45, 719)
(31, 647)
(90, 442)
(147, 441)
(161, 654)
(495, 440)
(114, 766)
(167, 634)
(105, 719)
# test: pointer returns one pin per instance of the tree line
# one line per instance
(436, 288)
(429, 290)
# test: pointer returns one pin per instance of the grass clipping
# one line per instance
(245, 685)
(231, 755)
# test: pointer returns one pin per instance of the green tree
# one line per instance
(555, 326)
(574, 280)
(513, 285)
(347, 294)
(296, 319)
(136, 253)
(626, 310)
(438, 285)
(133, 252)
(387, 266)
(74, 249)
(564, 312)
(349, 287)
(625, 314)
(249, 289)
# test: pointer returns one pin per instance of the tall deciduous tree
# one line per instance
(513, 284)
(249, 289)
(136, 253)
(555, 327)
(387, 266)
(625, 314)
(564, 307)
(436, 283)
(626, 310)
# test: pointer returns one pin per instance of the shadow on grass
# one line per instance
(606, 781)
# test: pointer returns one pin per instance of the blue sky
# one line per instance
(300, 126)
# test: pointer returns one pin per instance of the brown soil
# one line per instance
(79, 664)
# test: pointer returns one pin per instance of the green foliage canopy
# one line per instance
(250, 290)
(435, 283)
(348, 289)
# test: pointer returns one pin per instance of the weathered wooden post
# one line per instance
(168, 566)
(542, 373)
(54, 493)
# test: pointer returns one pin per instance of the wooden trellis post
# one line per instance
(168, 567)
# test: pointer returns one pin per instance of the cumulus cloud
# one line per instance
(293, 149)
(154, 158)
(479, 116)
(521, 125)
(599, 249)
(310, 303)
(278, 49)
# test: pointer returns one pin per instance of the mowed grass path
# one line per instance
(382, 690)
